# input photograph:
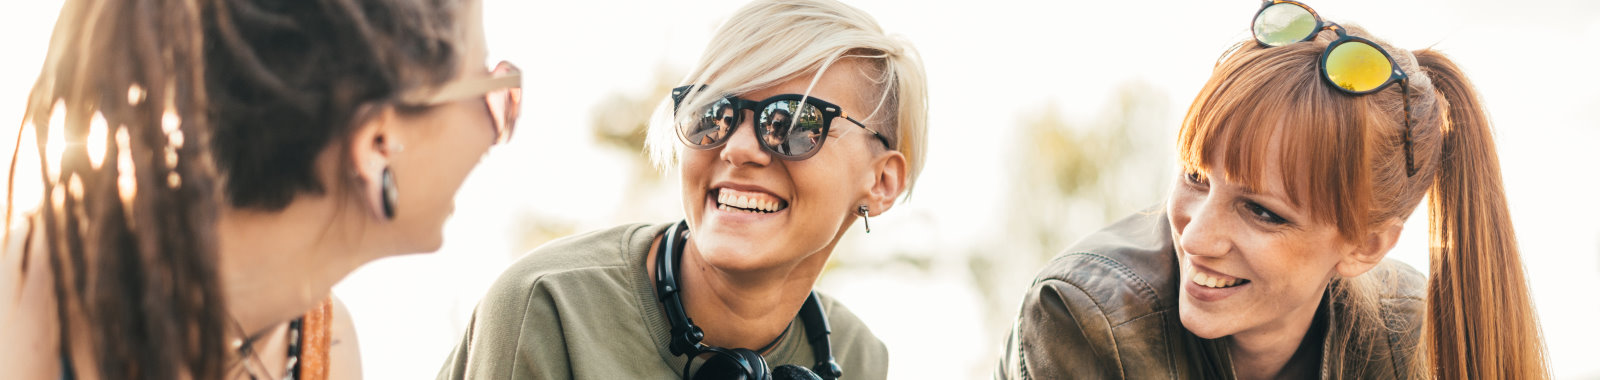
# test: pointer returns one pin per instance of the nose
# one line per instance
(1203, 226)
(743, 148)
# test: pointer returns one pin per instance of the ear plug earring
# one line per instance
(388, 194)
(863, 211)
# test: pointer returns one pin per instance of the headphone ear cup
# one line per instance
(758, 364)
(738, 363)
(793, 372)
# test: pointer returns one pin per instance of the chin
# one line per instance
(426, 242)
(1202, 324)
(431, 245)
(738, 256)
(431, 239)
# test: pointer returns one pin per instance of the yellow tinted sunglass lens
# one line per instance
(1357, 66)
(1283, 23)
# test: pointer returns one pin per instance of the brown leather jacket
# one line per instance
(1107, 309)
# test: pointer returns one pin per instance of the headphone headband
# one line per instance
(686, 336)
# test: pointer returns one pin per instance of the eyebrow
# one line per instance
(1259, 196)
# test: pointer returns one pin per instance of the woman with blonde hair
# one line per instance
(226, 162)
(727, 292)
(1301, 159)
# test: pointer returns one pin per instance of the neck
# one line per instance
(740, 309)
(1289, 350)
(275, 265)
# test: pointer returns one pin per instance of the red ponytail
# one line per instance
(1481, 322)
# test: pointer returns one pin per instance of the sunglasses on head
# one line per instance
(501, 92)
(789, 126)
(1353, 65)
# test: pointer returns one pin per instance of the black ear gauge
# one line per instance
(388, 193)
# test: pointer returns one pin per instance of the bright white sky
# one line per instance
(988, 62)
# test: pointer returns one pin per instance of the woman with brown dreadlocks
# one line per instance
(254, 153)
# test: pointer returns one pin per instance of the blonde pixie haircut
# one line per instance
(768, 42)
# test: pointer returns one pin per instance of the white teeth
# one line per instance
(1210, 281)
(730, 200)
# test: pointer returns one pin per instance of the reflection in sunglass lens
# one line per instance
(713, 124)
(790, 127)
(1283, 24)
(1357, 66)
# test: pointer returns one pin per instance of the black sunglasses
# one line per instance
(790, 126)
(1353, 65)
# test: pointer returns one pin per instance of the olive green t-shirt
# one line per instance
(583, 308)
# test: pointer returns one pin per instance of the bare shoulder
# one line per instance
(27, 309)
(344, 354)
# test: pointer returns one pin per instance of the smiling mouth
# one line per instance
(751, 202)
(1217, 281)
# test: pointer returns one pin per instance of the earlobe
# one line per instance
(1371, 249)
(372, 148)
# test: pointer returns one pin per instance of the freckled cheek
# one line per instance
(1286, 270)
(1179, 206)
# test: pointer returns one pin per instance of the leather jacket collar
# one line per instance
(1107, 308)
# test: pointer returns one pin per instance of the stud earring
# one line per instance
(388, 194)
(863, 211)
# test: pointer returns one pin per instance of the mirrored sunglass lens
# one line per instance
(1357, 66)
(790, 127)
(1283, 23)
(712, 126)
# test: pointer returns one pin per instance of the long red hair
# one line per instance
(1344, 162)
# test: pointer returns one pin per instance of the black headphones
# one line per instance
(737, 363)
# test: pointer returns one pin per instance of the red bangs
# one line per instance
(1258, 97)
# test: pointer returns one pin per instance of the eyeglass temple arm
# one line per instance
(879, 136)
(465, 89)
(1405, 98)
